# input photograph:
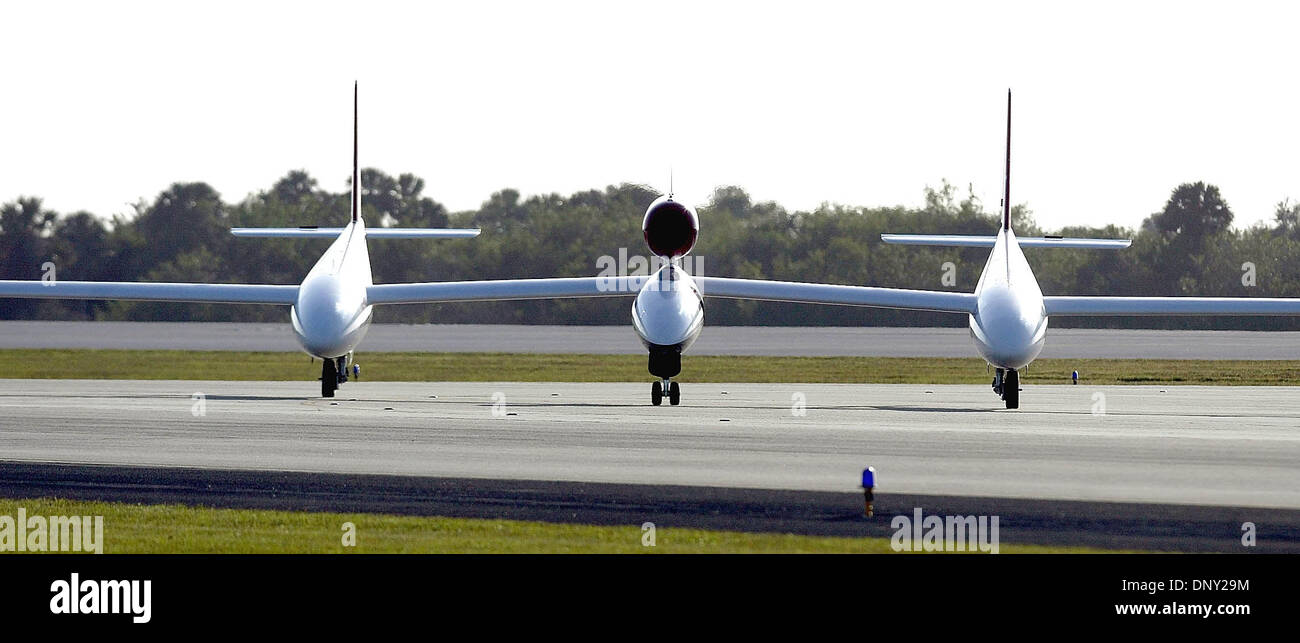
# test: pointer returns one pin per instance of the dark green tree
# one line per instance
(1286, 215)
(1188, 248)
(184, 218)
(24, 248)
(1194, 216)
(1194, 213)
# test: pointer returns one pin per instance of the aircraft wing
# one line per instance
(371, 233)
(505, 289)
(1103, 306)
(412, 293)
(948, 302)
(976, 241)
(199, 293)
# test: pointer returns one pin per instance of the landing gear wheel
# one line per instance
(674, 394)
(329, 379)
(656, 394)
(1011, 390)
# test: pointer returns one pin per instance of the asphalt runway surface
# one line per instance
(715, 340)
(1176, 468)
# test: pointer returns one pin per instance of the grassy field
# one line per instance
(486, 367)
(138, 529)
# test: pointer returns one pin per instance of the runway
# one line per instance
(715, 340)
(1181, 467)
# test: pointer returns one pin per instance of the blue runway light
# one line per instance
(868, 491)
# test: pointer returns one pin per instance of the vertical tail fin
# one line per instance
(356, 170)
(1006, 189)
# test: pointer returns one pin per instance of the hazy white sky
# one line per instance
(861, 103)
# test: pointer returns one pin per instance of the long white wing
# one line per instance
(412, 293)
(560, 288)
(709, 287)
(1103, 306)
(199, 293)
(371, 233)
(979, 241)
(948, 302)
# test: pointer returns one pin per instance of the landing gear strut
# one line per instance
(665, 363)
(329, 378)
(342, 368)
(334, 372)
(1007, 384)
(665, 387)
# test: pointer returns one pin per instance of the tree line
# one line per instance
(1187, 248)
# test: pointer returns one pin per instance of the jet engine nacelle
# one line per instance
(670, 227)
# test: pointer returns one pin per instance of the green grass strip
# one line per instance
(179, 529)
(531, 367)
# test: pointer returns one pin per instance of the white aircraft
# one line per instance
(1007, 314)
(331, 309)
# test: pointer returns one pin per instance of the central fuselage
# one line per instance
(1009, 326)
(331, 314)
(668, 312)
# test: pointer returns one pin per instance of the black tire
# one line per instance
(674, 394)
(1011, 389)
(656, 394)
(329, 379)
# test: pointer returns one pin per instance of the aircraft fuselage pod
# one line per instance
(331, 314)
(668, 315)
(1009, 326)
(668, 312)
